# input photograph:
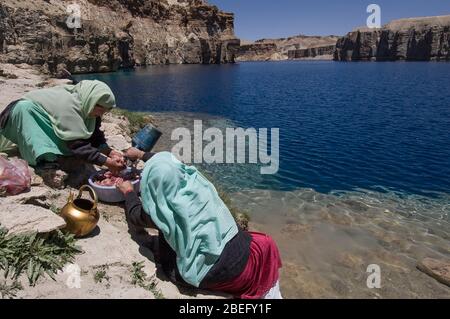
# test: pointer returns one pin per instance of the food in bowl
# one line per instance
(109, 179)
(104, 183)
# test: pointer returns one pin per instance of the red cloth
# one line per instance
(261, 272)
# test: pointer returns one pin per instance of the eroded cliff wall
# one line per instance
(278, 49)
(114, 34)
(415, 39)
(325, 52)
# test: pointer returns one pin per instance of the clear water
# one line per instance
(342, 126)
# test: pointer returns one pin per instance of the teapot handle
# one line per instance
(92, 193)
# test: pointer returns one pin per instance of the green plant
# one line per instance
(55, 209)
(138, 275)
(241, 216)
(101, 274)
(9, 290)
(106, 217)
(36, 254)
(138, 120)
(139, 278)
(6, 145)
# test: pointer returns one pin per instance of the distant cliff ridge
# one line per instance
(416, 39)
(258, 52)
(278, 49)
(324, 52)
(114, 34)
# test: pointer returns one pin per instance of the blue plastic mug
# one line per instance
(146, 138)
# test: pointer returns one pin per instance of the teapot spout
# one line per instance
(70, 199)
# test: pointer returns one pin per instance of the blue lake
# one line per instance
(364, 162)
(343, 126)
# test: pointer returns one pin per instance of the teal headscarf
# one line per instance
(68, 107)
(187, 209)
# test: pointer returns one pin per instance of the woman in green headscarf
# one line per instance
(200, 244)
(61, 121)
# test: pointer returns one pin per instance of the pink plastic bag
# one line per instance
(15, 176)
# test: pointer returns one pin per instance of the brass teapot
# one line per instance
(81, 215)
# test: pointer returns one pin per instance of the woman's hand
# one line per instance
(116, 154)
(125, 187)
(115, 165)
(134, 154)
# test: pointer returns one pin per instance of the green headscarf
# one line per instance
(187, 209)
(68, 107)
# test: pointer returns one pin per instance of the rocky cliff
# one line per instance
(114, 34)
(416, 39)
(258, 52)
(324, 53)
(278, 49)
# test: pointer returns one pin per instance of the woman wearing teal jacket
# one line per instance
(48, 124)
(200, 244)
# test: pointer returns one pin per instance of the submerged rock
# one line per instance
(437, 269)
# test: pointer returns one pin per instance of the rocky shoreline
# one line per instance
(112, 254)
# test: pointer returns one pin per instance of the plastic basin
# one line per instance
(110, 194)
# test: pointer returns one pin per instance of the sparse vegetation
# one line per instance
(241, 216)
(106, 217)
(6, 146)
(138, 120)
(101, 274)
(35, 254)
(55, 209)
(9, 291)
(139, 278)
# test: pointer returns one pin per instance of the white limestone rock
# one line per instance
(27, 219)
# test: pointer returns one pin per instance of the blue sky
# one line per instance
(255, 19)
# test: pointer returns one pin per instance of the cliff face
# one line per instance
(258, 52)
(278, 49)
(325, 52)
(114, 34)
(416, 39)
